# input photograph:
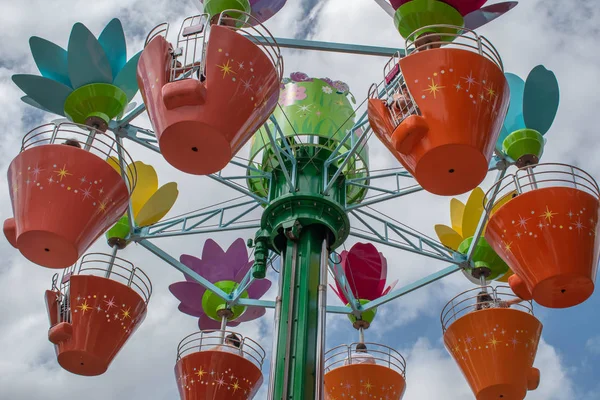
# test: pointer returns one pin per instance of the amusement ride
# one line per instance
(445, 108)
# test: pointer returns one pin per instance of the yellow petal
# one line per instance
(472, 213)
(114, 162)
(457, 209)
(146, 186)
(504, 278)
(448, 237)
(158, 205)
(502, 201)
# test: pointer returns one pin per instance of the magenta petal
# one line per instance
(189, 293)
(251, 314)
(190, 311)
(205, 323)
(363, 270)
(339, 294)
(258, 288)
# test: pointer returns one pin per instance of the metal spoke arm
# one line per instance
(147, 138)
(383, 231)
(218, 219)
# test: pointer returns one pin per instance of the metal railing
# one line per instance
(255, 32)
(381, 354)
(159, 30)
(189, 56)
(543, 176)
(103, 265)
(210, 340)
(482, 298)
(86, 138)
(460, 37)
(396, 96)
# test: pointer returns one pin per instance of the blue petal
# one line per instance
(541, 98)
(32, 102)
(112, 40)
(87, 60)
(50, 59)
(476, 19)
(127, 78)
(514, 118)
(45, 92)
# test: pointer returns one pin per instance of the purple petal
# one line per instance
(258, 288)
(205, 323)
(232, 324)
(251, 314)
(190, 311)
(188, 293)
(212, 253)
(236, 256)
(192, 263)
(243, 271)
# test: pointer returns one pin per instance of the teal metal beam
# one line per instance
(411, 287)
(302, 44)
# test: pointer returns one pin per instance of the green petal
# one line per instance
(50, 59)
(87, 60)
(48, 93)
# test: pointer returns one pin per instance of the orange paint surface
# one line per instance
(217, 375)
(364, 380)
(63, 199)
(201, 125)
(463, 98)
(549, 238)
(495, 349)
(104, 315)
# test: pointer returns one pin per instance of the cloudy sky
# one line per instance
(561, 35)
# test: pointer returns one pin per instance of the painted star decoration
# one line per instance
(89, 304)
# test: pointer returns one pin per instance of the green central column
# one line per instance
(301, 225)
(298, 334)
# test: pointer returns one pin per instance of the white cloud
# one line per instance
(144, 368)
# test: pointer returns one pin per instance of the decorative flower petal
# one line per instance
(212, 270)
(514, 117)
(188, 293)
(363, 270)
(31, 102)
(87, 60)
(191, 311)
(540, 99)
(251, 314)
(146, 186)
(457, 210)
(205, 323)
(48, 93)
(237, 255)
(448, 237)
(212, 253)
(112, 40)
(50, 59)
(158, 205)
(126, 80)
(258, 288)
(473, 211)
(478, 18)
(243, 271)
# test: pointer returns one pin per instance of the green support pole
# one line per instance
(296, 365)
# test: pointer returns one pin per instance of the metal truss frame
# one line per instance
(375, 228)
